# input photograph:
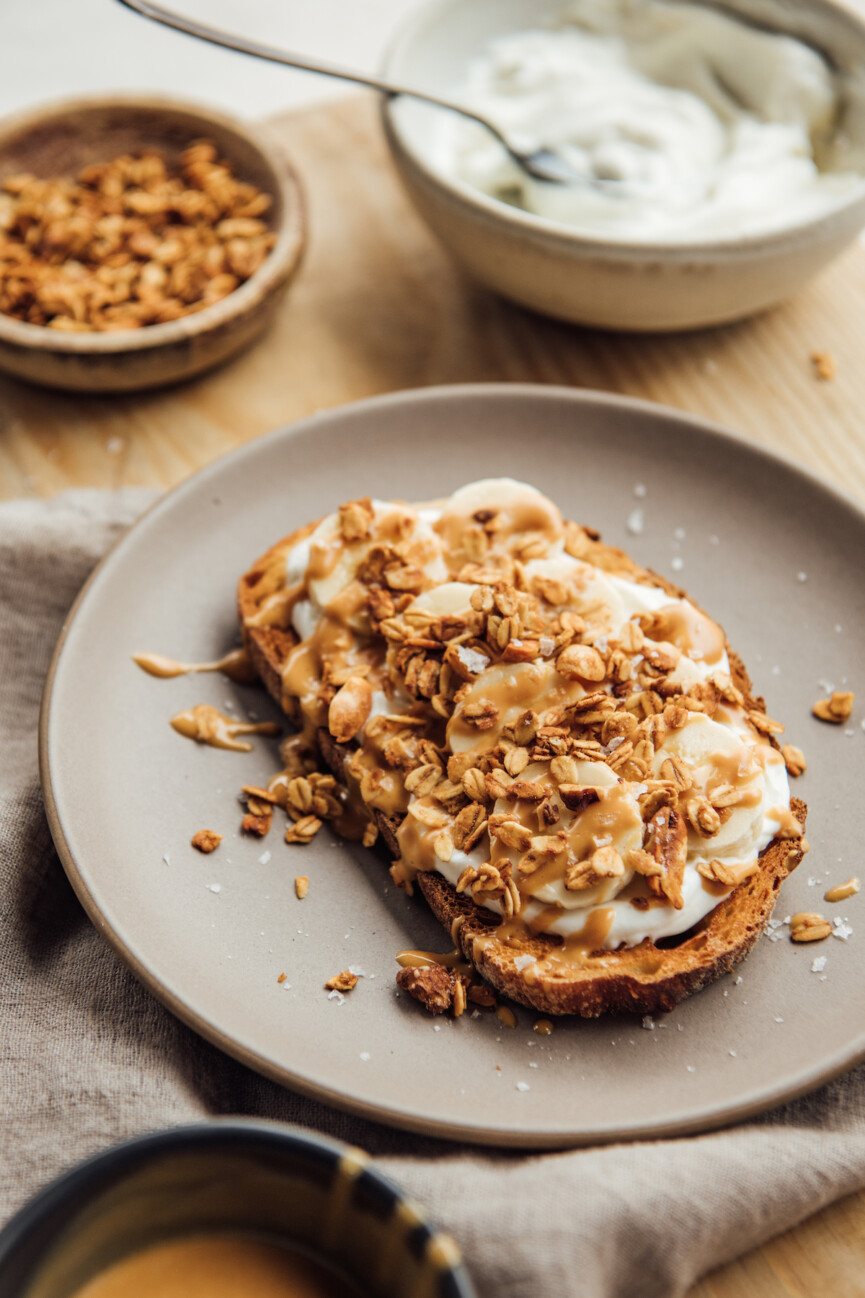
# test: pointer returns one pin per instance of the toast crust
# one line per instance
(643, 979)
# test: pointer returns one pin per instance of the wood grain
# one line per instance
(378, 306)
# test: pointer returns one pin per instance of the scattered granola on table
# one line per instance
(342, 982)
(842, 891)
(206, 840)
(838, 708)
(138, 240)
(809, 927)
(824, 365)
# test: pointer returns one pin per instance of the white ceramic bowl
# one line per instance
(582, 277)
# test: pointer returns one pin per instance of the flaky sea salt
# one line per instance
(636, 522)
(523, 961)
(264, 858)
(214, 887)
(523, 1086)
(471, 659)
(818, 964)
(364, 1054)
(648, 1023)
(677, 563)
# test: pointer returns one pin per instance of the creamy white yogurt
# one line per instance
(707, 126)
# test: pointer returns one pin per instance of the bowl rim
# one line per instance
(280, 263)
(229, 1133)
(546, 231)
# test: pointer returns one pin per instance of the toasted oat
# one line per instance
(604, 863)
(837, 708)
(301, 886)
(257, 825)
(807, 926)
(443, 846)
(206, 840)
(355, 519)
(341, 982)
(282, 977)
(370, 835)
(842, 891)
(718, 872)
(824, 365)
(258, 794)
(794, 760)
(303, 830)
(483, 715)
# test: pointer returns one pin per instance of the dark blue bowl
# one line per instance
(229, 1176)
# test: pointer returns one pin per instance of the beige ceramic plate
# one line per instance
(125, 793)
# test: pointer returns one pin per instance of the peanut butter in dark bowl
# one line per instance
(218, 1266)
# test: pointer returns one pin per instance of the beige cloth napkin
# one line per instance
(89, 1058)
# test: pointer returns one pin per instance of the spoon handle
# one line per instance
(260, 51)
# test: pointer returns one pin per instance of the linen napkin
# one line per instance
(89, 1058)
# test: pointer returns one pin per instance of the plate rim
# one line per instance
(492, 1135)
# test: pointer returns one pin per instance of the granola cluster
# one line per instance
(131, 242)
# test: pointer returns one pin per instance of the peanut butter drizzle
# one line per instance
(789, 825)
(235, 665)
(505, 1015)
(207, 725)
(740, 770)
(689, 630)
(528, 518)
(378, 785)
(416, 843)
(276, 609)
(576, 948)
(526, 685)
(332, 643)
(602, 821)
(423, 959)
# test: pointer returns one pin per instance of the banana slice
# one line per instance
(508, 689)
(614, 820)
(714, 752)
(348, 557)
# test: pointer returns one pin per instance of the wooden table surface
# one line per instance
(378, 306)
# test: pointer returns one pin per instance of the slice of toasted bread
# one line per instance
(642, 979)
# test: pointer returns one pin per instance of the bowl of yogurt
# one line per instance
(718, 151)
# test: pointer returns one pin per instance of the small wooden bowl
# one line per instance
(59, 139)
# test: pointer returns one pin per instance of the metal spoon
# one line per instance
(543, 164)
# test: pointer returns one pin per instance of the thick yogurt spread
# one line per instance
(555, 734)
(694, 124)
